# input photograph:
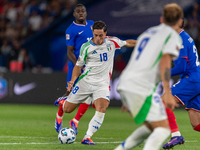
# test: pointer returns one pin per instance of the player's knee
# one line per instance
(67, 109)
(101, 109)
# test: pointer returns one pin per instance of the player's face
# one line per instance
(80, 14)
(98, 36)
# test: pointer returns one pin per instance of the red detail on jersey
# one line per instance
(111, 37)
(116, 45)
(179, 100)
(187, 60)
(110, 79)
(192, 109)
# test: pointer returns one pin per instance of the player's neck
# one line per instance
(80, 22)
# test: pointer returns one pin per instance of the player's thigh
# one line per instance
(69, 107)
(184, 90)
(80, 93)
(101, 92)
(101, 98)
(153, 125)
(88, 100)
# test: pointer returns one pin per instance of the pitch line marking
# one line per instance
(33, 143)
(41, 137)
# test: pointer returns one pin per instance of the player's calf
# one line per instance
(197, 128)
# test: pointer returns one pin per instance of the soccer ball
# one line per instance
(66, 136)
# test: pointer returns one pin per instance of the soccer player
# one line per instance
(79, 32)
(187, 90)
(97, 55)
(150, 62)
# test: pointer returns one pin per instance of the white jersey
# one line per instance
(142, 72)
(98, 60)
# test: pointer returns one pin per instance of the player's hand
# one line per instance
(170, 101)
(124, 108)
(70, 86)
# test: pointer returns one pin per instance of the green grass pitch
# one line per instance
(31, 127)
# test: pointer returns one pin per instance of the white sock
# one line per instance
(177, 133)
(135, 138)
(94, 124)
(156, 138)
(75, 120)
(59, 117)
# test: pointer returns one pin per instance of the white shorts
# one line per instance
(87, 93)
(142, 108)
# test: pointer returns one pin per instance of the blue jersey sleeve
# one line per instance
(180, 67)
(70, 37)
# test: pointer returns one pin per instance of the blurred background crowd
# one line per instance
(20, 19)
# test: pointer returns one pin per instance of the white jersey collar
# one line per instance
(80, 24)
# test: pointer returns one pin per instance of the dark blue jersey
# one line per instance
(77, 34)
(187, 64)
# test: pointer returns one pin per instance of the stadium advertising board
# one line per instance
(29, 88)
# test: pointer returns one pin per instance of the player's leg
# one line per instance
(151, 111)
(181, 91)
(176, 137)
(101, 105)
(158, 136)
(83, 107)
(194, 119)
(144, 108)
(157, 121)
(60, 113)
(193, 108)
(137, 137)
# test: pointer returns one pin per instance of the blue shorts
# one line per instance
(187, 93)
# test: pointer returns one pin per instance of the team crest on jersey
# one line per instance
(91, 27)
(67, 37)
(109, 47)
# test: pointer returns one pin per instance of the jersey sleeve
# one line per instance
(172, 45)
(70, 37)
(82, 56)
(118, 43)
(183, 50)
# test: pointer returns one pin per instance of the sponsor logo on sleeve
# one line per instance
(67, 37)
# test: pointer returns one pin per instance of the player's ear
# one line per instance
(180, 22)
(161, 19)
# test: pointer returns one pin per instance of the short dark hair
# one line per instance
(78, 5)
(100, 25)
(172, 13)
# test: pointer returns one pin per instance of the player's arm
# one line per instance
(130, 43)
(180, 67)
(165, 66)
(70, 54)
(75, 74)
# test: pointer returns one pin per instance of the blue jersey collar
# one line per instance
(80, 24)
